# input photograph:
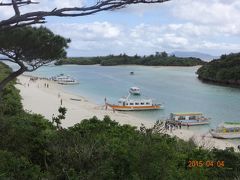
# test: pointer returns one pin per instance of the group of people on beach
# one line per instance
(46, 85)
(34, 79)
(173, 125)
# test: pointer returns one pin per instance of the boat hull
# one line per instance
(225, 135)
(68, 83)
(194, 123)
(135, 108)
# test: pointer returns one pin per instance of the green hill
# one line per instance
(159, 59)
(225, 70)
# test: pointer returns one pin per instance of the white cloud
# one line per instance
(220, 46)
(203, 25)
(99, 38)
(208, 11)
(6, 12)
(96, 36)
(95, 31)
(68, 3)
(143, 8)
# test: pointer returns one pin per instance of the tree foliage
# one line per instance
(12, 167)
(153, 60)
(58, 119)
(30, 48)
(225, 70)
(10, 103)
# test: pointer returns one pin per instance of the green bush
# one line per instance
(12, 167)
(123, 59)
(10, 100)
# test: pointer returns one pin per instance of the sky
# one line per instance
(207, 26)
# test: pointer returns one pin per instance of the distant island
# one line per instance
(159, 59)
(203, 56)
(225, 70)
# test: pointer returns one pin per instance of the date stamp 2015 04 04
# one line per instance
(207, 163)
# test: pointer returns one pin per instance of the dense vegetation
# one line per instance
(32, 147)
(225, 70)
(159, 59)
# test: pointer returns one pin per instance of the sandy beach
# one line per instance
(44, 97)
(46, 100)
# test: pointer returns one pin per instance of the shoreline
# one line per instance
(125, 65)
(36, 96)
(40, 99)
(219, 83)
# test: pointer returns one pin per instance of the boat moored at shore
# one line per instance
(135, 103)
(227, 130)
(65, 80)
(68, 81)
(189, 118)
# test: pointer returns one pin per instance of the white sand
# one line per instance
(204, 140)
(45, 101)
(39, 99)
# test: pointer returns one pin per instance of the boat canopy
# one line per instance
(230, 125)
(134, 90)
(187, 114)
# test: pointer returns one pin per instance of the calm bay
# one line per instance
(178, 88)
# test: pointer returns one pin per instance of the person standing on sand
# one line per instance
(166, 125)
(238, 147)
(61, 101)
(105, 101)
(187, 126)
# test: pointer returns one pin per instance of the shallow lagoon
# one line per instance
(177, 87)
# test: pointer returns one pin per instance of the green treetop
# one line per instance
(30, 48)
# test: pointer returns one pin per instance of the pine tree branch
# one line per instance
(19, 3)
(38, 16)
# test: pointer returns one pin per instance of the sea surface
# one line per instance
(178, 88)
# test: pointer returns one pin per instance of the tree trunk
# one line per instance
(45, 160)
(11, 77)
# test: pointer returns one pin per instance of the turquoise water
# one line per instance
(177, 87)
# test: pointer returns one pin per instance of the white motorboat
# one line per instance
(65, 80)
(227, 130)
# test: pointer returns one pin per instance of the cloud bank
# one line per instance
(210, 26)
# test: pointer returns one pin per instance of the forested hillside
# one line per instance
(159, 59)
(225, 70)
